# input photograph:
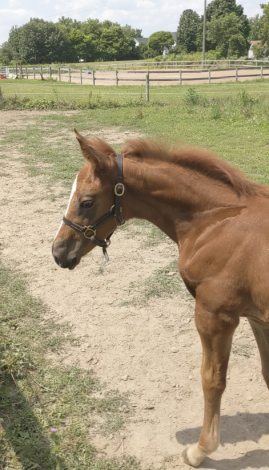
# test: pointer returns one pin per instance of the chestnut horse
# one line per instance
(219, 221)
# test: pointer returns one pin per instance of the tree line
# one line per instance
(229, 32)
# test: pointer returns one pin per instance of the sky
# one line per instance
(148, 15)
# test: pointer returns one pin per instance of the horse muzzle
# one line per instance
(62, 258)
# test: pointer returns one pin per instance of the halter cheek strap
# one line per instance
(89, 231)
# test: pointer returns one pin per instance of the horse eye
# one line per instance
(87, 204)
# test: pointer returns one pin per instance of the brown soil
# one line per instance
(131, 347)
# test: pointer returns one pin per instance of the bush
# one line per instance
(192, 97)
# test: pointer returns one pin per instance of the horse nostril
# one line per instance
(72, 263)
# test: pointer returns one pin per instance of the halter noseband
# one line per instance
(89, 231)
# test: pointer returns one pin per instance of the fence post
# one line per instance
(147, 86)
(261, 71)
(50, 72)
(93, 77)
(59, 74)
(34, 72)
(69, 75)
(117, 78)
(209, 76)
(236, 74)
(180, 77)
(41, 72)
(80, 73)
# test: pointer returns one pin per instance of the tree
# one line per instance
(189, 31)
(6, 53)
(256, 25)
(265, 29)
(219, 8)
(92, 27)
(226, 35)
(159, 41)
(82, 46)
(114, 45)
(131, 32)
(38, 41)
(69, 23)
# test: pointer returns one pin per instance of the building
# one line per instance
(251, 54)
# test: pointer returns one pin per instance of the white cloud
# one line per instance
(144, 5)
(13, 17)
(14, 3)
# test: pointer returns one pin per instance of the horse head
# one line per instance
(93, 211)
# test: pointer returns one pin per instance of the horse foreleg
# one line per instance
(216, 333)
(261, 333)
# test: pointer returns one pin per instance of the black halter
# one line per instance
(89, 231)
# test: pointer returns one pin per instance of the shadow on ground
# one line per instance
(258, 458)
(238, 428)
(23, 436)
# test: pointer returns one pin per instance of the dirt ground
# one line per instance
(152, 350)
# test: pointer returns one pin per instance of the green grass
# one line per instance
(53, 90)
(38, 394)
(230, 119)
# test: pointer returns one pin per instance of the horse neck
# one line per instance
(171, 197)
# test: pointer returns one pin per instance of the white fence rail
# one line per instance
(140, 77)
(182, 64)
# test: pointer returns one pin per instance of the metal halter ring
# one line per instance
(119, 189)
(89, 229)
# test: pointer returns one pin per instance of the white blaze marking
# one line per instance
(74, 187)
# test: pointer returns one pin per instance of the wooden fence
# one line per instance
(136, 77)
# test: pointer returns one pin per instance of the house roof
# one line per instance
(139, 40)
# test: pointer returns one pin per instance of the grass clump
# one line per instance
(165, 282)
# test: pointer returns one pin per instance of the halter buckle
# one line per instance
(89, 229)
(119, 189)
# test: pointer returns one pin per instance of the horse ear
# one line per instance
(90, 154)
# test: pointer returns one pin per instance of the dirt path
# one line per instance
(151, 351)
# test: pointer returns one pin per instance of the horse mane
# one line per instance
(191, 158)
(199, 160)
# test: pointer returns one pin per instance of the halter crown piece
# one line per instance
(89, 231)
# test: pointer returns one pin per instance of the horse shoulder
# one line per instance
(216, 254)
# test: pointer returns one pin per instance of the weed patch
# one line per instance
(90, 102)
